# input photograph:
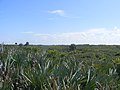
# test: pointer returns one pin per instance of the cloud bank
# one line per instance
(91, 36)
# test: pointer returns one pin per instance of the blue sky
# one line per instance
(60, 21)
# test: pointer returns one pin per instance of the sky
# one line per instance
(56, 22)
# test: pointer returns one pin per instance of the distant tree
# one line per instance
(72, 47)
(15, 43)
(26, 44)
(20, 44)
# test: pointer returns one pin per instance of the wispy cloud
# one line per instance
(28, 32)
(57, 12)
(61, 13)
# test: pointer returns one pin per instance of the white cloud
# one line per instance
(62, 13)
(91, 36)
(28, 32)
(58, 12)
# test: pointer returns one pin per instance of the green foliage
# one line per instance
(42, 68)
(72, 47)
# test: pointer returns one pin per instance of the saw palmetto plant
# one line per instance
(37, 68)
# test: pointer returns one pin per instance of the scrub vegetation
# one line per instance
(60, 67)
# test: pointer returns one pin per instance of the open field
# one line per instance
(61, 67)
